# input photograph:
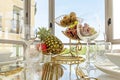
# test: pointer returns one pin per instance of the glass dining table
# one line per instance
(56, 71)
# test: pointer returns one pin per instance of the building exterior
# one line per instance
(12, 15)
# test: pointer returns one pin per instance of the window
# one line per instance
(17, 21)
(82, 8)
(44, 11)
(40, 11)
(116, 18)
(113, 17)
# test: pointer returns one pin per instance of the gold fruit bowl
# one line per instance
(68, 59)
(66, 21)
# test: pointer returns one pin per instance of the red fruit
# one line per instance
(41, 47)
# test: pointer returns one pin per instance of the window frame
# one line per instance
(27, 17)
(109, 14)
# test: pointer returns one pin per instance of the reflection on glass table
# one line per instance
(53, 71)
(11, 71)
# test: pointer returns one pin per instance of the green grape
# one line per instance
(76, 22)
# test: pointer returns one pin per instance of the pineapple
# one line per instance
(54, 45)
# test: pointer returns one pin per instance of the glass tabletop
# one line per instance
(54, 71)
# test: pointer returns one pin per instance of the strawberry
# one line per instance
(41, 47)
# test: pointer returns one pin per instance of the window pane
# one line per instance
(11, 18)
(116, 19)
(81, 8)
(40, 13)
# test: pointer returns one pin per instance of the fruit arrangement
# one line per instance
(87, 30)
(67, 20)
(71, 32)
(50, 43)
(42, 47)
(52, 71)
(70, 22)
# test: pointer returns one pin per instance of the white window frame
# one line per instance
(52, 16)
(27, 17)
(108, 15)
(109, 28)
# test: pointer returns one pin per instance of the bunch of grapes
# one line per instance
(68, 19)
(72, 33)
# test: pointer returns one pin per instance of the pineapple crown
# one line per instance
(43, 33)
